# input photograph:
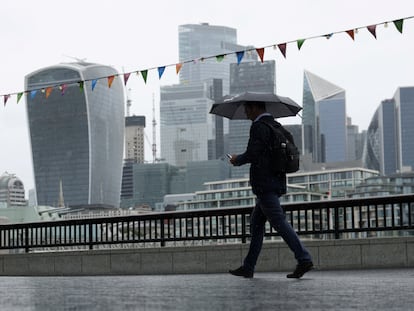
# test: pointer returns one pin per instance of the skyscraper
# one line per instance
(404, 104)
(253, 76)
(186, 125)
(324, 119)
(134, 138)
(76, 134)
(203, 40)
(381, 149)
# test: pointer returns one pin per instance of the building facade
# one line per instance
(186, 126)
(253, 76)
(389, 146)
(203, 40)
(134, 138)
(76, 134)
(381, 147)
(404, 105)
(324, 119)
(12, 190)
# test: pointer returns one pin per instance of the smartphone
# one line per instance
(229, 156)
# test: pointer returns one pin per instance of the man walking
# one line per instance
(268, 187)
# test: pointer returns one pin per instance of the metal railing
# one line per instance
(346, 218)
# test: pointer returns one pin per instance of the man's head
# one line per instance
(254, 109)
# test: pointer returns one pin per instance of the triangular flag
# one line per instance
(6, 97)
(261, 53)
(351, 33)
(19, 95)
(126, 77)
(160, 71)
(399, 24)
(33, 94)
(300, 43)
(62, 89)
(110, 80)
(282, 48)
(219, 58)
(144, 74)
(178, 67)
(48, 91)
(240, 55)
(81, 85)
(94, 83)
(372, 30)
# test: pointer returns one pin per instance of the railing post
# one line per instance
(244, 228)
(26, 239)
(162, 232)
(90, 236)
(336, 222)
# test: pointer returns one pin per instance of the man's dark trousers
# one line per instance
(268, 208)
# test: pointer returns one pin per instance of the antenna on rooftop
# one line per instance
(154, 131)
(129, 103)
(79, 60)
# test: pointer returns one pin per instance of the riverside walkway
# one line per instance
(376, 289)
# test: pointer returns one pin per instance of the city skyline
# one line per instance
(369, 69)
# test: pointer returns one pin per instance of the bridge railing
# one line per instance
(347, 218)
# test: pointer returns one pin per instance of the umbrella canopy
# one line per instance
(232, 107)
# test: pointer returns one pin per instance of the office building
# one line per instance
(12, 190)
(389, 147)
(185, 123)
(134, 138)
(203, 40)
(404, 105)
(248, 76)
(76, 134)
(324, 119)
(381, 147)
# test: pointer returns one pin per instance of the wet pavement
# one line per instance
(388, 289)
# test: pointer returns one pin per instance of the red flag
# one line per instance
(351, 33)
(372, 30)
(261, 53)
(282, 48)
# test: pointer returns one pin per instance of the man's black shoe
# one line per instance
(241, 271)
(300, 270)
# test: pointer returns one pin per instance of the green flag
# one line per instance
(399, 24)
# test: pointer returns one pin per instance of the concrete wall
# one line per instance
(275, 256)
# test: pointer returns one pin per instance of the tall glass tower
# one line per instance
(203, 40)
(76, 134)
(381, 145)
(404, 103)
(324, 119)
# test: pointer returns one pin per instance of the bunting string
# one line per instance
(47, 90)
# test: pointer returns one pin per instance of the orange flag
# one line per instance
(178, 67)
(48, 91)
(261, 53)
(110, 80)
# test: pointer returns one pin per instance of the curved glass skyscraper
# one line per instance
(76, 134)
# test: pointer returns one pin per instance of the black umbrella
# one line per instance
(232, 107)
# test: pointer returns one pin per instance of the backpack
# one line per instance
(283, 151)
